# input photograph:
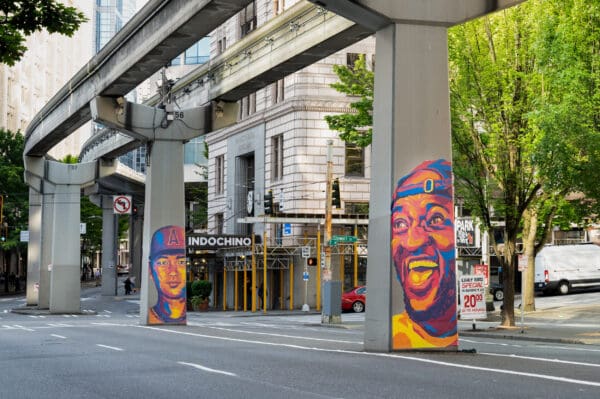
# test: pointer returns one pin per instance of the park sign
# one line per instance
(335, 240)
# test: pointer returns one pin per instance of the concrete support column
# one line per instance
(47, 242)
(65, 287)
(110, 234)
(164, 206)
(34, 247)
(136, 231)
(411, 125)
(162, 299)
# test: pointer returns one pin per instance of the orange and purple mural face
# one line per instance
(168, 268)
(424, 258)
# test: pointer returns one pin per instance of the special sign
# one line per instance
(472, 297)
(122, 204)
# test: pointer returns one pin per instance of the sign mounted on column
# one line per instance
(122, 204)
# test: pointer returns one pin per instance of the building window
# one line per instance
(221, 45)
(247, 106)
(219, 223)
(176, 61)
(277, 92)
(354, 161)
(193, 152)
(219, 174)
(351, 59)
(356, 208)
(199, 53)
(248, 19)
(278, 6)
(277, 158)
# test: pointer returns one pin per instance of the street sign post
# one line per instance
(306, 252)
(335, 240)
(122, 204)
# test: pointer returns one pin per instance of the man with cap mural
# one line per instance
(423, 253)
(168, 268)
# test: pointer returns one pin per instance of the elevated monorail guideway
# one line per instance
(411, 124)
(153, 37)
(298, 37)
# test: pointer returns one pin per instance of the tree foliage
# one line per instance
(21, 18)
(522, 97)
(354, 127)
(12, 188)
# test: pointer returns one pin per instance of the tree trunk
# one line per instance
(530, 220)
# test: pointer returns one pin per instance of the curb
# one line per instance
(521, 337)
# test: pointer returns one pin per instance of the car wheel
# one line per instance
(358, 307)
(499, 295)
(563, 288)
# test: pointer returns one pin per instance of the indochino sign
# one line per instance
(217, 241)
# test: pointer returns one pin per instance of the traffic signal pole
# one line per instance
(332, 307)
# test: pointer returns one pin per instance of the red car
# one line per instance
(355, 299)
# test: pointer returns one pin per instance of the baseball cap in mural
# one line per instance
(168, 239)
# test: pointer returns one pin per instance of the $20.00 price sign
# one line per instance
(472, 297)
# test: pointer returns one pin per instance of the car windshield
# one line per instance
(351, 289)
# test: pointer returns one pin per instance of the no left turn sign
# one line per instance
(122, 204)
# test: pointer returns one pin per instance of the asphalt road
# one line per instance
(108, 354)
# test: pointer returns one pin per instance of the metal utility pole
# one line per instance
(332, 290)
(327, 237)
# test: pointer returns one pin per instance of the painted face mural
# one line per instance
(168, 268)
(423, 253)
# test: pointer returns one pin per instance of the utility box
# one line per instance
(332, 302)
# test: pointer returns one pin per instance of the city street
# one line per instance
(105, 353)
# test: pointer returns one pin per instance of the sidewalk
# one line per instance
(569, 325)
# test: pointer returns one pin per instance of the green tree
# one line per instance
(21, 18)
(519, 140)
(354, 127)
(15, 199)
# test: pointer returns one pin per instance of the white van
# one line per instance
(559, 268)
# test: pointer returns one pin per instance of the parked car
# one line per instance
(497, 291)
(355, 299)
(122, 269)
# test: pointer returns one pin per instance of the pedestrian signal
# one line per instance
(311, 261)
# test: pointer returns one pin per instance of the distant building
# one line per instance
(50, 61)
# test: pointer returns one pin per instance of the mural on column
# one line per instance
(168, 268)
(424, 258)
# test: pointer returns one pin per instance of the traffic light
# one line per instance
(335, 194)
(311, 261)
(268, 202)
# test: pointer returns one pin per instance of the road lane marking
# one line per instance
(541, 359)
(286, 336)
(388, 355)
(58, 336)
(110, 347)
(209, 370)
(23, 328)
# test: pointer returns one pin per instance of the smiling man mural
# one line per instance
(168, 268)
(423, 254)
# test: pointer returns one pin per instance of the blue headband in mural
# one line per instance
(441, 186)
